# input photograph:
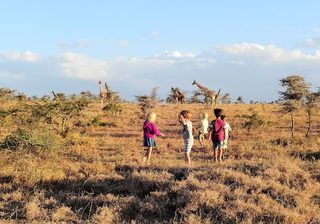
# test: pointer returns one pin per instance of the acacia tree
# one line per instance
(225, 99)
(312, 104)
(240, 100)
(197, 97)
(61, 109)
(148, 102)
(293, 97)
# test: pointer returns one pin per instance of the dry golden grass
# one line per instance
(98, 178)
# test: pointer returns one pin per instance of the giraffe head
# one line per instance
(100, 82)
(194, 82)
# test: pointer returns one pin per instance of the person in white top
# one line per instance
(184, 119)
(228, 129)
(203, 129)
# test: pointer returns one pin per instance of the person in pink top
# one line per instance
(217, 134)
(150, 130)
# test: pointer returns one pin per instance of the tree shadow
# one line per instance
(85, 196)
(124, 135)
(179, 173)
(309, 156)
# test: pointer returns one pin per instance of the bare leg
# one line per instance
(220, 153)
(215, 154)
(147, 156)
(202, 142)
(187, 158)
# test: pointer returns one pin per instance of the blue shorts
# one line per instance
(188, 143)
(218, 144)
(149, 142)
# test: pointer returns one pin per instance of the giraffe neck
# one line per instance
(101, 89)
(107, 87)
(201, 87)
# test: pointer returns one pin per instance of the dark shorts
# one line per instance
(149, 142)
(217, 144)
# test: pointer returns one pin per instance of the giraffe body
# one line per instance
(178, 95)
(210, 96)
(105, 95)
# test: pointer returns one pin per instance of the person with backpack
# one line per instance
(217, 134)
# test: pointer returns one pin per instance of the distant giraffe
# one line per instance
(54, 95)
(57, 96)
(178, 95)
(107, 94)
(210, 95)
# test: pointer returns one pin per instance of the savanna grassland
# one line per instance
(93, 172)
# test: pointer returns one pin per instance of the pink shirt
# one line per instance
(150, 129)
(217, 128)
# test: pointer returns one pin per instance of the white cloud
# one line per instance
(155, 34)
(175, 54)
(122, 43)
(236, 62)
(269, 54)
(5, 75)
(230, 67)
(316, 30)
(252, 50)
(79, 44)
(311, 43)
(27, 56)
(81, 67)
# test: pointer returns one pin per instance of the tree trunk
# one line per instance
(309, 124)
(63, 124)
(292, 125)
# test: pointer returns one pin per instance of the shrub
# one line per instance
(254, 121)
(22, 139)
(62, 109)
(113, 109)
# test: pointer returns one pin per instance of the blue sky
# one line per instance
(242, 47)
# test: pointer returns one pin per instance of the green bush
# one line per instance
(113, 109)
(253, 121)
(29, 140)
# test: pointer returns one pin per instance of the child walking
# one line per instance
(203, 129)
(217, 134)
(149, 131)
(227, 129)
(184, 119)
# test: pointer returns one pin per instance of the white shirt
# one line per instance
(204, 124)
(227, 128)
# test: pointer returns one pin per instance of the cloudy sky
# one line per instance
(243, 47)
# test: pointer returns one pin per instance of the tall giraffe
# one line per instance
(54, 95)
(110, 94)
(106, 95)
(181, 96)
(210, 95)
(103, 94)
(178, 95)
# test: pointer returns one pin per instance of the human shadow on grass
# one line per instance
(308, 156)
(179, 173)
(85, 197)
